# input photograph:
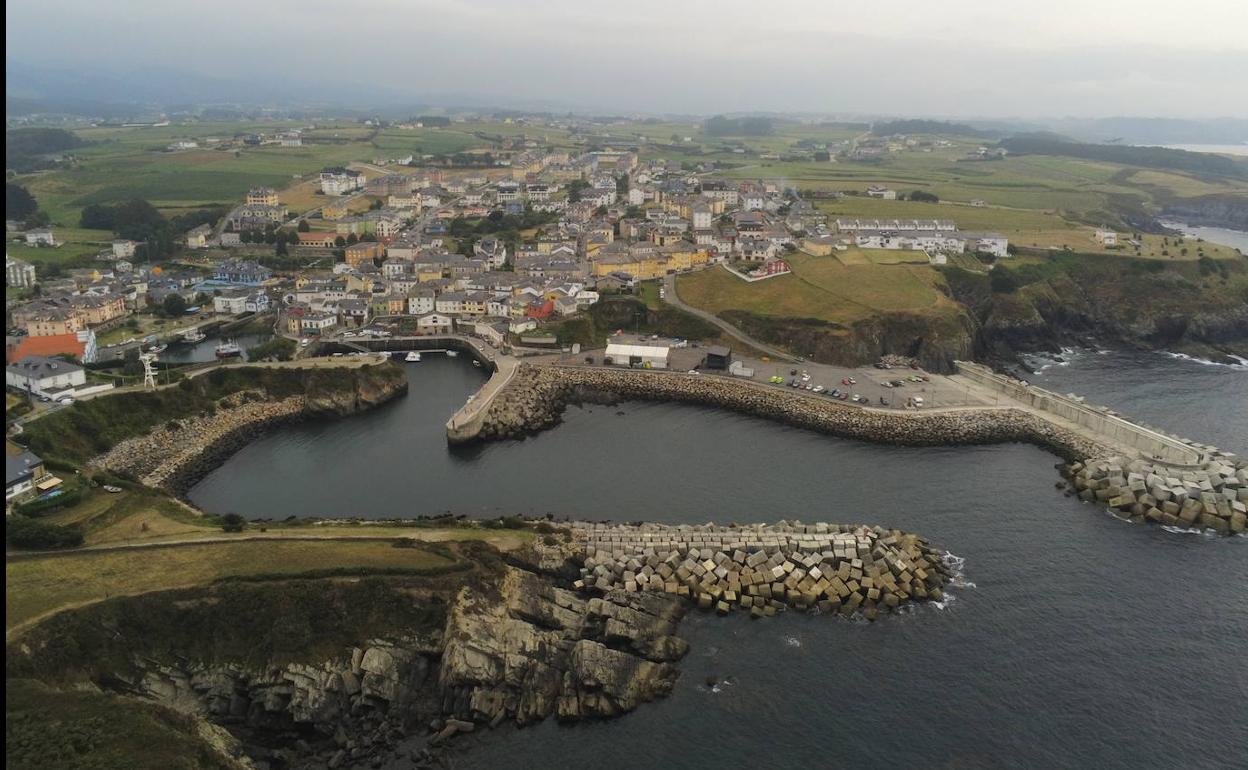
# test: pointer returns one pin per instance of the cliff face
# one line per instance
(1190, 307)
(354, 667)
(1211, 210)
(935, 342)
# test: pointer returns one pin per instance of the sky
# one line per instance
(1002, 58)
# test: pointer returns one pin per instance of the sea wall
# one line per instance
(537, 395)
(178, 453)
(1100, 420)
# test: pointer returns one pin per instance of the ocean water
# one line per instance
(1236, 239)
(1073, 639)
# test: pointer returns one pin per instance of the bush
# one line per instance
(1003, 281)
(232, 522)
(40, 506)
(23, 532)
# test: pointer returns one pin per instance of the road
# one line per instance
(673, 299)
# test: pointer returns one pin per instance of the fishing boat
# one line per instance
(475, 362)
(157, 349)
(412, 357)
(228, 350)
(451, 354)
(193, 336)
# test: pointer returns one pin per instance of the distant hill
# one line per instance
(722, 126)
(1146, 157)
(28, 149)
(890, 127)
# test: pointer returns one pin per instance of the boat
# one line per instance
(451, 354)
(157, 349)
(228, 350)
(193, 336)
(475, 362)
(412, 357)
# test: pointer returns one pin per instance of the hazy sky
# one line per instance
(933, 57)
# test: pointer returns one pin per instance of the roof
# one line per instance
(41, 367)
(637, 349)
(719, 350)
(19, 467)
(49, 345)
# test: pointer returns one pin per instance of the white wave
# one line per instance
(1241, 364)
(1207, 533)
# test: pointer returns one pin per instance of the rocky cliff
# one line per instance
(1211, 210)
(316, 673)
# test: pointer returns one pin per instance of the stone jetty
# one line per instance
(764, 569)
(1213, 497)
(537, 395)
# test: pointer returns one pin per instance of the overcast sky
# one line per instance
(915, 57)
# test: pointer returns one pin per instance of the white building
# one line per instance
(876, 191)
(639, 354)
(18, 273)
(340, 181)
(123, 249)
(44, 376)
(40, 237)
(1106, 237)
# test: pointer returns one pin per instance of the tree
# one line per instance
(18, 202)
(304, 227)
(340, 242)
(25, 532)
(923, 196)
(232, 522)
(174, 305)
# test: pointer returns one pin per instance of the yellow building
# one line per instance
(335, 210)
(262, 196)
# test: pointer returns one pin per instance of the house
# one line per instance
(197, 237)
(43, 375)
(256, 216)
(492, 330)
(336, 210)
(450, 302)
(40, 237)
(421, 302)
(79, 345)
(492, 250)
(238, 271)
(823, 245)
(322, 239)
(124, 249)
(18, 273)
(230, 302)
(883, 193)
(340, 181)
(362, 253)
(183, 144)
(435, 323)
(261, 196)
(1106, 237)
(314, 322)
(25, 476)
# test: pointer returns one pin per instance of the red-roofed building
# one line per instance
(80, 345)
(322, 239)
(540, 310)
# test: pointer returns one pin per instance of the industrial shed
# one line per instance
(637, 354)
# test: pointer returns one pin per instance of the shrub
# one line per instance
(23, 532)
(1003, 281)
(232, 522)
(60, 501)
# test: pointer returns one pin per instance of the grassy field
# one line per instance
(48, 729)
(820, 287)
(37, 587)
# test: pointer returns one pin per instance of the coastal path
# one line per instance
(673, 299)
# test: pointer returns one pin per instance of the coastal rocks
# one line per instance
(545, 650)
(1211, 497)
(537, 395)
(764, 569)
(178, 453)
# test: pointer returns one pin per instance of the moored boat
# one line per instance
(451, 354)
(193, 336)
(412, 357)
(228, 350)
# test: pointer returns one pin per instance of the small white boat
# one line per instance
(475, 362)
(451, 354)
(193, 336)
(412, 357)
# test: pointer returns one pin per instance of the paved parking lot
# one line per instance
(938, 391)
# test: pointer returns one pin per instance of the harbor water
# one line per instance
(1073, 639)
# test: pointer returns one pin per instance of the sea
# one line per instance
(1070, 639)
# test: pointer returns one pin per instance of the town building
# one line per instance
(18, 273)
(25, 476)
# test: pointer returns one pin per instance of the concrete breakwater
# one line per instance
(1214, 497)
(763, 569)
(537, 395)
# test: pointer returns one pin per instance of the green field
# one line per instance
(821, 288)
